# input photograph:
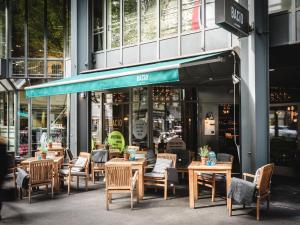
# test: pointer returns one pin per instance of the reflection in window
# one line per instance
(17, 28)
(168, 17)
(113, 24)
(98, 25)
(55, 26)
(23, 119)
(39, 121)
(96, 119)
(55, 68)
(210, 13)
(130, 22)
(35, 28)
(279, 5)
(58, 119)
(68, 28)
(2, 29)
(148, 20)
(191, 15)
(36, 68)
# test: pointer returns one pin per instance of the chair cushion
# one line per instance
(79, 164)
(65, 172)
(155, 175)
(161, 165)
(100, 156)
(257, 175)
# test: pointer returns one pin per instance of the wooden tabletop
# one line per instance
(122, 161)
(219, 166)
(55, 159)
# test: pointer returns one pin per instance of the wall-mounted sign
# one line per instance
(232, 17)
(116, 140)
(139, 129)
(209, 127)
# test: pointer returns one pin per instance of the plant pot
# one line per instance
(49, 145)
(44, 155)
(126, 156)
(204, 160)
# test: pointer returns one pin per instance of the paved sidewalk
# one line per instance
(88, 208)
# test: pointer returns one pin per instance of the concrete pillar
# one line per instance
(255, 88)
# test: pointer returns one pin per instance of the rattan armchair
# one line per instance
(119, 179)
(262, 179)
(40, 174)
(75, 170)
(161, 179)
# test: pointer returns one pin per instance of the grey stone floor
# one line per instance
(88, 208)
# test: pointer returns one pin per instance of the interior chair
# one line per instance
(159, 177)
(40, 174)
(119, 179)
(209, 179)
(79, 168)
(98, 160)
(262, 180)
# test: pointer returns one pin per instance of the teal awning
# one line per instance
(154, 73)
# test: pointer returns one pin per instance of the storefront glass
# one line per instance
(39, 121)
(191, 15)
(168, 17)
(279, 5)
(113, 24)
(210, 13)
(3, 115)
(98, 25)
(23, 126)
(2, 29)
(148, 20)
(58, 119)
(17, 28)
(96, 117)
(130, 22)
(140, 117)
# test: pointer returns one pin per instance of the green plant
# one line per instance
(203, 151)
(50, 141)
(44, 149)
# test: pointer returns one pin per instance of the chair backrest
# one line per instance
(136, 148)
(224, 157)
(263, 181)
(100, 146)
(86, 155)
(69, 153)
(40, 171)
(99, 155)
(118, 176)
(170, 156)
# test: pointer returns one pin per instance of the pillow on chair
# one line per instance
(79, 164)
(161, 165)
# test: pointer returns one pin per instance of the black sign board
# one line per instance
(232, 17)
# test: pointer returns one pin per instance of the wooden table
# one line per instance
(195, 167)
(57, 164)
(59, 150)
(137, 164)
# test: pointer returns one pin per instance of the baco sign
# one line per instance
(232, 16)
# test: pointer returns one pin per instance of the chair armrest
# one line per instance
(245, 175)
(134, 178)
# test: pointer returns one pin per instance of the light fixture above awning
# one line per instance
(140, 75)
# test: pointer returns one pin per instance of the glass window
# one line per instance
(55, 68)
(191, 15)
(96, 117)
(39, 121)
(35, 28)
(279, 5)
(210, 13)
(2, 29)
(148, 20)
(55, 26)
(36, 68)
(140, 117)
(98, 25)
(130, 22)
(11, 123)
(58, 119)
(113, 24)
(68, 28)
(297, 3)
(17, 28)
(23, 126)
(168, 17)
(3, 114)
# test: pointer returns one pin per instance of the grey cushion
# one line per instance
(100, 156)
(79, 164)
(223, 157)
(65, 172)
(161, 165)
(156, 175)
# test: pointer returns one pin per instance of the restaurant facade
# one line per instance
(151, 69)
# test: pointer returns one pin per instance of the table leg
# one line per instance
(228, 182)
(141, 182)
(196, 194)
(191, 189)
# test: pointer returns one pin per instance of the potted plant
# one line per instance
(50, 141)
(126, 154)
(204, 150)
(44, 151)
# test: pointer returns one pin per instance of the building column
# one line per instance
(255, 88)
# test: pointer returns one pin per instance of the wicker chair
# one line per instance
(263, 184)
(209, 180)
(40, 174)
(119, 179)
(99, 166)
(150, 179)
(75, 170)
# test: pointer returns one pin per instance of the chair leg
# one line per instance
(174, 189)
(230, 207)
(47, 189)
(106, 200)
(77, 182)
(166, 190)
(110, 197)
(86, 183)
(93, 176)
(131, 199)
(257, 209)
(69, 184)
(268, 202)
(29, 194)
(52, 189)
(213, 191)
